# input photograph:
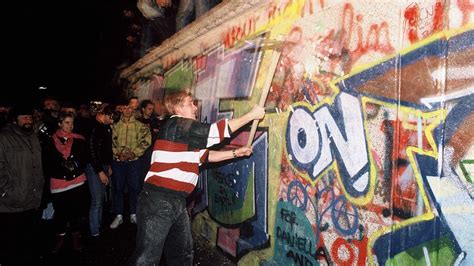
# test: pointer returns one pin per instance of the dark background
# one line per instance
(71, 47)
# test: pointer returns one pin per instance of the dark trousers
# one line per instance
(19, 237)
(163, 226)
(145, 166)
(126, 173)
(70, 206)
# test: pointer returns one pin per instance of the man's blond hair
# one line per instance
(173, 99)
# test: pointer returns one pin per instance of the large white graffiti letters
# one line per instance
(315, 139)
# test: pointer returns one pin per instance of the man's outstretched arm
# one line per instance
(257, 112)
(217, 156)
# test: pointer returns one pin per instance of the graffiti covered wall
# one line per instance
(366, 153)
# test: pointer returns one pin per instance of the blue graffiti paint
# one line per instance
(439, 48)
(428, 169)
(301, 138)
(436, 48)
(343, 210)
(295, 188)
(394, 242)
(304, 127)
(344, 215)
(320, 216)
(314, 140)
(457, 115)
(260, 238)
(461, 42)
(257, 224)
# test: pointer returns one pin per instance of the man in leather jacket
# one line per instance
(98, 171)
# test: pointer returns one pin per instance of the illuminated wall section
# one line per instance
(366, 153)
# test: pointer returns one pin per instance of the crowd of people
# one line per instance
(62, 161)
(56, 162)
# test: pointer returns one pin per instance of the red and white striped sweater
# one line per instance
(180, 149)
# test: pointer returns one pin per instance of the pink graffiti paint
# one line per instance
(466, 7)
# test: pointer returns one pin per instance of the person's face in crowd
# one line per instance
(127, 13)
(4, 109)
(25, 122)
(69, 110)
(148, 110)
(84, 111)
(134, 104)
(127, 112)
(67, 124)
(51, 104)
(188, 109)
(37, 116)
(105, 118)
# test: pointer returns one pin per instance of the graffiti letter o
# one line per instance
(303, 139)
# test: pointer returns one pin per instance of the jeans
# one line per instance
(163, 223)
(126, 173)
(185, 11)
(97, 190)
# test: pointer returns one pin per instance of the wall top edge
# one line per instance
(220, 14)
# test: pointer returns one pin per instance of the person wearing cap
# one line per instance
(21, 187)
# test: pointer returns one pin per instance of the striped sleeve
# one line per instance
(174, 167)
(217, 132)
(203, 154)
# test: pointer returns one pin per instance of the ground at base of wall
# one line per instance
(113, 247)
(206, 254)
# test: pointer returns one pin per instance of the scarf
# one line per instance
(63, 141)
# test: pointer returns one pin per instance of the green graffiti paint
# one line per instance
(466, 173)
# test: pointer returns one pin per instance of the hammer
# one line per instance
(267, 84)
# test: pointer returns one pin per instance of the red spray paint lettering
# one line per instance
(336, 44)
(239, 32)
(415, 18)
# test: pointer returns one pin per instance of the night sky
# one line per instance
(71, 47)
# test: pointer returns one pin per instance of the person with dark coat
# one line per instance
(51, 108)
(65, 166)
(98, 171)
(21, 187)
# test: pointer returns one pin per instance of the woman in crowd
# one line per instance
(64, 163)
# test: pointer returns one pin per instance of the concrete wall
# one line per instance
(366, 154)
